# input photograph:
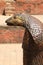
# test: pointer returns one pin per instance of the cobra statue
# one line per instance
(33, 37)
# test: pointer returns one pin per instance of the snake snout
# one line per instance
(8, 22)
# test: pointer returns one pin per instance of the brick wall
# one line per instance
(29, 6)
(11, 34)
(2, 6)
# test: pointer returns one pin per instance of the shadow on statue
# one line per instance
(32, 54)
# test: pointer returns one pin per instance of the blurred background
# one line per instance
(10, 7)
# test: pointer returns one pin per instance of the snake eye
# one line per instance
(14, 17)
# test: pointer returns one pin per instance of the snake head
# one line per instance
(15, 20)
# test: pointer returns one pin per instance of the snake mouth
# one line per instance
(10, 24)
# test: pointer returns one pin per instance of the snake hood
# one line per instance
(33, 25)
